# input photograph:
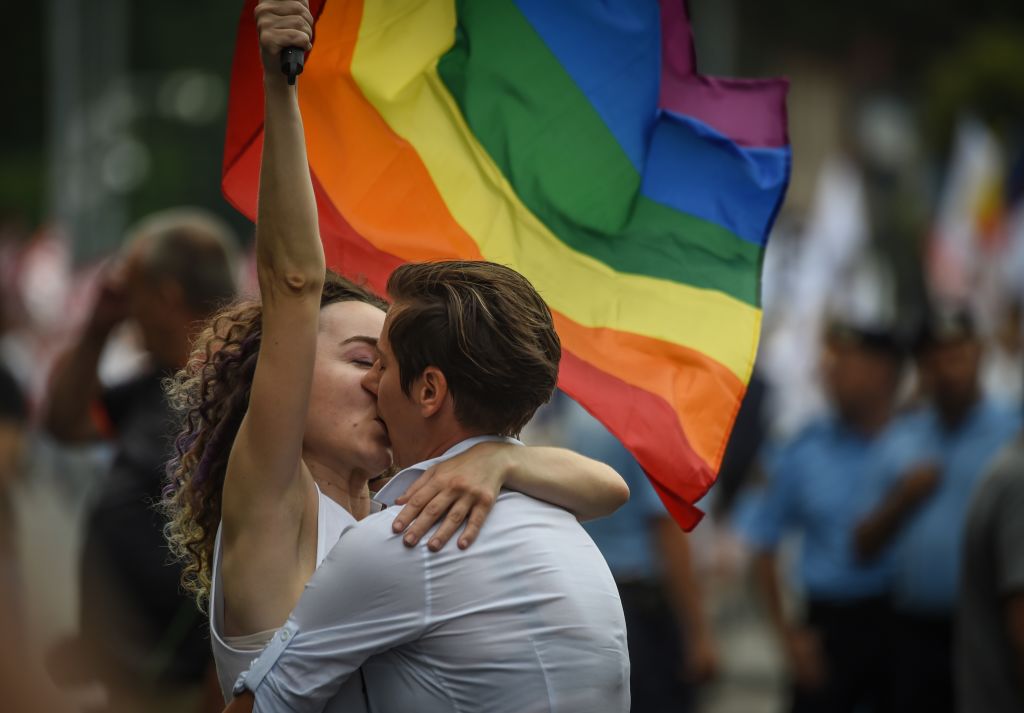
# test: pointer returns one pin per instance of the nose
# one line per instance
(371, 380)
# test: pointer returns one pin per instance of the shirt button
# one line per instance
(284, 636)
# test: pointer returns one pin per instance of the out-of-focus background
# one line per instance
(901, 241)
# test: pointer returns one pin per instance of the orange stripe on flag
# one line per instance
(703, 390)
(647, 426)
(365, 168)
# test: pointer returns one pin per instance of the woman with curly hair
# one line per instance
(280, 439)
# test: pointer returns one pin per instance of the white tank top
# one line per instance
(332, 519)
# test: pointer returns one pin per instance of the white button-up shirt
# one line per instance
(527, 619)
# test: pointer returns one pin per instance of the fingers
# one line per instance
(476, 520)
(452, 522)
(417, 485)
(438, 491)
(284, 24)
(422, 491)
(273, 41)
(286, 7)
(428, 517)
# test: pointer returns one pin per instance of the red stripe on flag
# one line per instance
(648, 426)
(245, 102)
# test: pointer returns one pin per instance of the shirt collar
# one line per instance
(394, 488)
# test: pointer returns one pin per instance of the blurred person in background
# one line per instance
(25, 689)
(915, 504)
(835, 652)
(13, 422)
(139, 634)
(741, 462)
(671, 648)
(989, 637)
(1000, 371)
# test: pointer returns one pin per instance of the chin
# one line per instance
(379, 461)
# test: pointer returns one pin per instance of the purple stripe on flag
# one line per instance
(751, 112)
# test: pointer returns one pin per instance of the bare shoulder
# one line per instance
(267, 558)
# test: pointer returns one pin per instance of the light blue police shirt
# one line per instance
(625, 538)
(813, 482)
(926, 553)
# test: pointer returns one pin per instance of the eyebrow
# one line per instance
(372, 341)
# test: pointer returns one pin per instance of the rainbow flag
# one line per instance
(575, 142)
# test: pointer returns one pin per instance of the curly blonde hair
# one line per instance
(210, 396)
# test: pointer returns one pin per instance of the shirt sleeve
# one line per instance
(368, 596)
(775, 508)
(1009, 530)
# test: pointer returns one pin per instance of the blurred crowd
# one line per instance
(883, 539)
(864, 542)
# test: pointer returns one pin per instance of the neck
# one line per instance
(436, 444)
(954, 412)
(869, 419)
(348, 489)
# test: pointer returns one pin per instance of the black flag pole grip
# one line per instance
(292, 59)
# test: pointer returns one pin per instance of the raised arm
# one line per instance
(265, 495)
(74, 382)
(467, 486)
(585, 487)
(881, 525)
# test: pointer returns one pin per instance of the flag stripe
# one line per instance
(569, 168)
(737, 187)
(608, 52)
(388, 66)
(751, 112)
(644, 424)
(612, 53)
(702, 390)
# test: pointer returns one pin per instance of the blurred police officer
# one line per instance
(834, 651)
(671, 649)
(916, 503)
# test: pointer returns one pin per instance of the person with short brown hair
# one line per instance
(485, 326)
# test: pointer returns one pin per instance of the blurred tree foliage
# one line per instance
(983, 75)
(168, 41)
(186, 155)
(22, 182)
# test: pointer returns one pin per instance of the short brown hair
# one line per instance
(486, 328)
(195, 249)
